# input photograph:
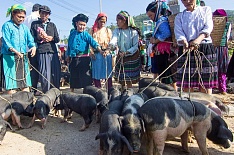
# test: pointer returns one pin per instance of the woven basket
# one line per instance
(216, 35)
(171, 20)
(218, 29)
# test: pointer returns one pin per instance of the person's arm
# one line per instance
(30, 42)
(179, 33)
(135, 40)
(205, 32)
(6, 36)
(113, 42)
(34, 32)
(91, 49)
(94, 44)
(164, 30)
(54, 38)
(208, 27)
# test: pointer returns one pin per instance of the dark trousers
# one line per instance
(1, 73)
(34, 73)
(50, 68)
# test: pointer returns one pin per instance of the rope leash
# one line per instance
(7, 102)
(163, 72)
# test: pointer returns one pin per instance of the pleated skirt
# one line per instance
(203, 68)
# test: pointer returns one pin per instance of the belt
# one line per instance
(82, 55)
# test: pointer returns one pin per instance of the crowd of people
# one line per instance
(29, 52)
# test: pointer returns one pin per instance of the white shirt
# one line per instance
(189, 25)
(29, 19)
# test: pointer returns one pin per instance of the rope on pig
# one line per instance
(106, 82)
(122, 63)
(198, 61)
(189, 73)
(120, 68)
(111, 72)
(178, 70)
(17, 64)
(37, 90)
(163, 72)
(7, 102)
(42, 75)
(182, 82)
(209, 63)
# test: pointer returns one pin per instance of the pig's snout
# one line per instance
(136, 148)
(227, 144)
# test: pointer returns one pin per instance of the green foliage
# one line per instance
(139, 20)
(112, 26)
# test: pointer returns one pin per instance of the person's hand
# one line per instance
(193, 45)
(20, 55)
(152, 40)
(106, 52)
(102, 52)
(48, 39)
(92, 55)
(68, 59)
(122, 54)
(33, 51)
(185, 44)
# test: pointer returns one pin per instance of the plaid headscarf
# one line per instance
(15, 7)
(127, 17)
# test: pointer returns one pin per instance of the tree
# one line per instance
(112, 26)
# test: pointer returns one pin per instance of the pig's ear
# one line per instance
(124, 139)
(120, 119)
(100, 135)
(225, 133)
(142, 125)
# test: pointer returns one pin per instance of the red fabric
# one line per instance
(95, 25)
(62, 49)
(164, 47)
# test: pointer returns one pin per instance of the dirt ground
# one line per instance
(66, 139)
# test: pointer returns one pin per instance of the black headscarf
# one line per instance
(79, 17)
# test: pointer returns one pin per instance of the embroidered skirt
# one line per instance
(203, 68)
(128, 69)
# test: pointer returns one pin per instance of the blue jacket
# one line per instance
(78, 43)
(17, 37)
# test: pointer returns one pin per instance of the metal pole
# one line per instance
(100, 5)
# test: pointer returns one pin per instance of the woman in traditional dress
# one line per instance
(15, 38)
(163, 55)
(78, 54)
(222, 54)
(101, 63)
(47, 54)
(126, 38)
(192, 31)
